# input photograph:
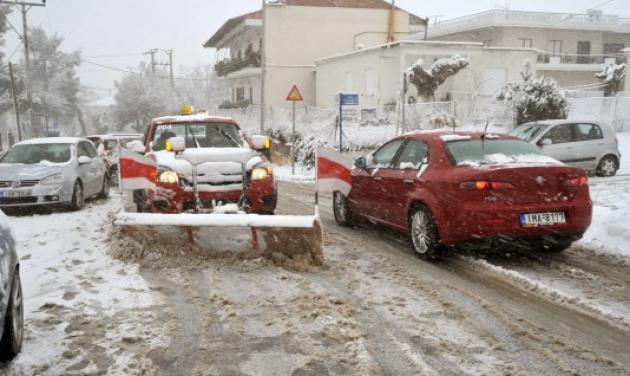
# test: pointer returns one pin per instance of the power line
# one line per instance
(112, 56)
(122, 70)
(15, 51)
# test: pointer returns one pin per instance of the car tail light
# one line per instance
(582, 181)
(482, 185)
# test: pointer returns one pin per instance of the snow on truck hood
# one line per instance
(209, 160)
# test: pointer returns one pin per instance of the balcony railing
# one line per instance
(509, 18)
(227, 66)
(550, 58)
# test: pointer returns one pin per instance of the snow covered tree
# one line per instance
(428, 81)
(535, 98)
(6, 102)
(612, 77)
(54, 82)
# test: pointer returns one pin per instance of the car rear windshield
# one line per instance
(528, 132)
(199, 135)
(480, 152)
(38, 153)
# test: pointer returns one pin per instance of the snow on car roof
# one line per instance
(51, 140)
(192, 118)
(455, 137)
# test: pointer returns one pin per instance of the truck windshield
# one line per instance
(199, 135)
(38, 153)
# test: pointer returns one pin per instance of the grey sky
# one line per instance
(114, 27)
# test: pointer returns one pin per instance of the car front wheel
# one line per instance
(11, 342)
(77, 197)
(423, 232)
(608, 166)
(341, 209)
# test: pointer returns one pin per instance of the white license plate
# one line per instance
(13, 194)
(543, 219)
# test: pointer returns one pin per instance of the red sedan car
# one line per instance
(449, 188)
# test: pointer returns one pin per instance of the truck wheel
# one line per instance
(423, 232)
(11, 342)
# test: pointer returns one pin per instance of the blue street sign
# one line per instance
(349, 99)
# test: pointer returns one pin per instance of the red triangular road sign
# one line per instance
(295, 95)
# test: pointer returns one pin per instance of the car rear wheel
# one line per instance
(608, 166)
(423, 232)
(11, 342)
(341, 209)
(105, 191)
(78, 199)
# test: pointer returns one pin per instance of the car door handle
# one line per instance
(408, 182)
(377, 178)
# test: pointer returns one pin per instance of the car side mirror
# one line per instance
(136, 146)
(83, 160)
(175, 144)
(260, 143)
(360, 163)
(545, 142)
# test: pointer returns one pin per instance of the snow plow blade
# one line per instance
(279, 237)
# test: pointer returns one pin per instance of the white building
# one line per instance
(571, 47)
(297, 33)
(376, 73)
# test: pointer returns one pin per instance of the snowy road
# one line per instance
(374, 308)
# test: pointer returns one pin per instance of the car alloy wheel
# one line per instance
(423, 233)
(11, 342)
(77, 196)
(341, 210)
(607, 166)
(17, 314)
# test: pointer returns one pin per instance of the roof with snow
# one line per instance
(232, 23)
(51, 140)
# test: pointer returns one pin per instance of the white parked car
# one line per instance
(51, 172)
(588, 145)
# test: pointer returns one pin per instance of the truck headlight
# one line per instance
(168, 177)
(52, 180)
(260, 173)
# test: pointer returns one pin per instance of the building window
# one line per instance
(369, 81)
(555, 47)
(251, 95)
(526, 42)
(583, 50)
(349, 86)
(240, 94)
(613, 48)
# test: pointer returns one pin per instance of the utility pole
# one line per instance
(15, 102)
(170, 64)
(263, 68)
(426, 28)
(152, 52)
(24, 8)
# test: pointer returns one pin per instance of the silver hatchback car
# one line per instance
(588, 145)
(51, 172)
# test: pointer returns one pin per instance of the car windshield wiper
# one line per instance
(194, 137)
(228, 137)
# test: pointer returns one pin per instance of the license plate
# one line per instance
(543, 219)
(13, 194)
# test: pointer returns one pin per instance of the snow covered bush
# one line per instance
(305, 150)
(612, 76)
(535, 98)
(428, 81)
(440, 119)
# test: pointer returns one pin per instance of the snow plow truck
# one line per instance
(197, 172)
